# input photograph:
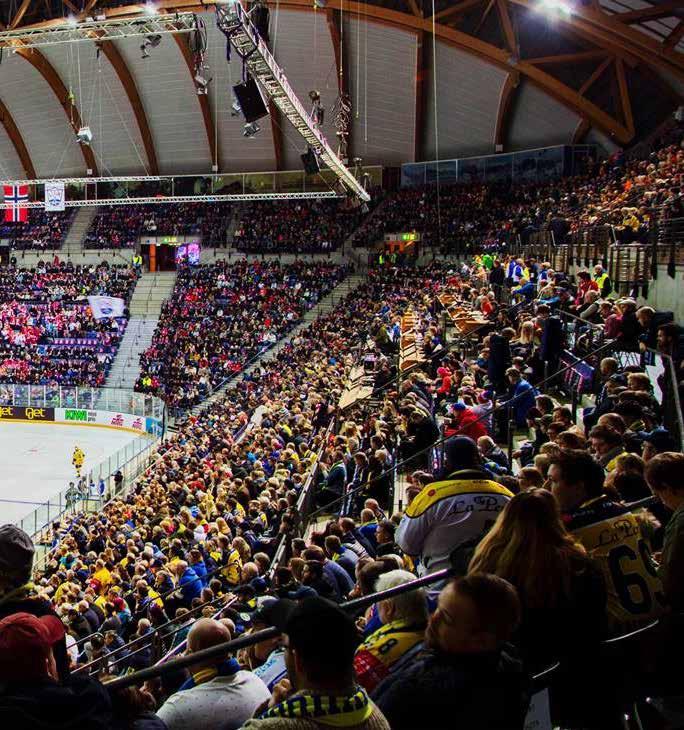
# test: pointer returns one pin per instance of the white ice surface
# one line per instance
(35, 461)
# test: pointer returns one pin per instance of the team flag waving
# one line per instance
(16, 195)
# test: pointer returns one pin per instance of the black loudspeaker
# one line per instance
(552, 339)
(250, 100)
(310, 162)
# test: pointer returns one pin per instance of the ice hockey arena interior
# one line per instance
(342, 364)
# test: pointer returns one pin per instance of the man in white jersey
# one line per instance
(454, 513)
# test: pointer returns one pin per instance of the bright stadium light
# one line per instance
(556, 6)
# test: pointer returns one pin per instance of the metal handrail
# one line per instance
(221, 650)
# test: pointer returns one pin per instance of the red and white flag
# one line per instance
(16, 195)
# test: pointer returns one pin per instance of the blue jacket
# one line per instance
(201, 571)
(190, 585)
(524, 395)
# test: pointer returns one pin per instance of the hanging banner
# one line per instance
(54, 196)
(104, 307)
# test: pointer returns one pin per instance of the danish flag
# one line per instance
(16, 195)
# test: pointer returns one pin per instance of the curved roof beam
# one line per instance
(203, 99)
(497, 56)
(609, 32)
(46, 70)
(19, 15)
(604, 30)
(18, 141)
(503, 116)
(127, 81)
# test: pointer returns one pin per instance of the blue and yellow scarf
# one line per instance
(334, 710)
(225, 669)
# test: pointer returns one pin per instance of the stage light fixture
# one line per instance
(251, 129)
(84, 136)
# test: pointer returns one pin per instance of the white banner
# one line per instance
(79, 416)
(54, 196)
(104, 307)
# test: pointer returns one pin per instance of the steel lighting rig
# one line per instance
(233, 20)
(237, 197)
(111, 29)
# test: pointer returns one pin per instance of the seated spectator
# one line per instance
(439, 521)
(320, 641)
(664, 476)
(403, 618)
(591, 516)
(557, 583)
(466, 664)
(33, 695)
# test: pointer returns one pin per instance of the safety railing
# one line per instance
(305, 501)
(221, 650)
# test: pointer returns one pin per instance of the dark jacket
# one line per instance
(82, 703)
(474, 691)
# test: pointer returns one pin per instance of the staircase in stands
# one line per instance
(151, 291)
(328, 302)
(77, 233)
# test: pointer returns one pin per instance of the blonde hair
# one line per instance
(530, 547)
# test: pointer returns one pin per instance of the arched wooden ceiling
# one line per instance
(608, 47)
(17, 141)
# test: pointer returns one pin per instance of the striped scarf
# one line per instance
(333, 710)
(225, 669)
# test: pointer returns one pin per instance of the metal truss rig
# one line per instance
(237, 197)
(235, 23)
(110, 29)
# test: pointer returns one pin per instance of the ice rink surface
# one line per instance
(35, 463)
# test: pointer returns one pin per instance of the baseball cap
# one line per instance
(660, 438)
(16, 555)
(317, 628)
(25, 640)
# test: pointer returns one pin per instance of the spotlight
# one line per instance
(202, 83)
(251, 129)
(72, 20)
(315, 96)
(557, 6)
(235, 108)
(319, 4)
(84, 136)
(152, 41)
(150, 8)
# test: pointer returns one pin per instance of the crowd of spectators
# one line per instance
(48, 335)
(194, 539)
(40, 232)
(120, 226)
(618, 192)
(295, 226)
(222, 315)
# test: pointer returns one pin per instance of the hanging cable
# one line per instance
(365, 85)
(358, 58)
(434, 95)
